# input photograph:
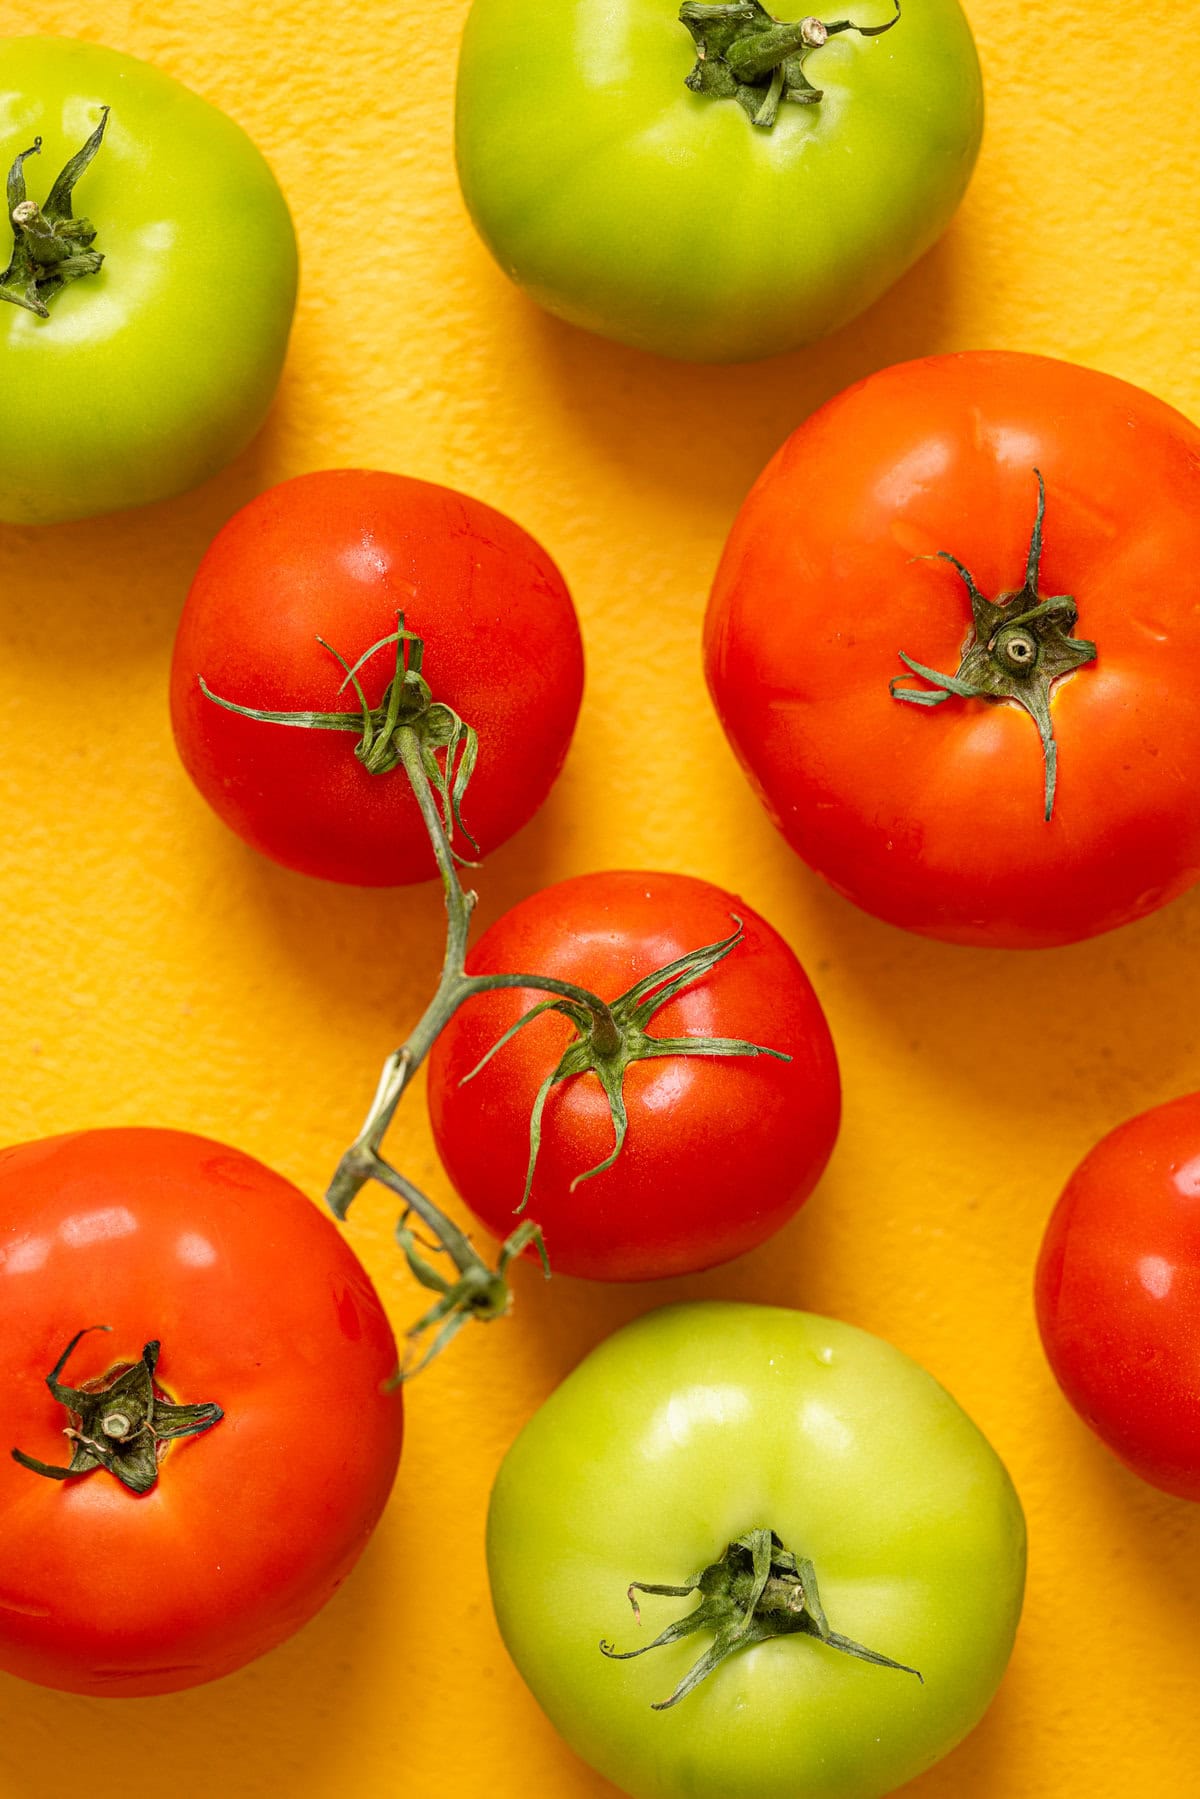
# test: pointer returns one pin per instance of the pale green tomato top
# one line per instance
(627, 204)
(151, 374)
(681, 1433)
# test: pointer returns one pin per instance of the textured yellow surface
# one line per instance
(154, 971)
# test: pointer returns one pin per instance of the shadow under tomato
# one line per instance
(107, 592)
(1063, 1042)
(312, 1699)
(557, 1322)
(1157, 1537)
(369, 957)
(682, 427)
(1111, 1583)
(1085, 1035)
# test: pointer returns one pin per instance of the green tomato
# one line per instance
(158, 354)
(873, 1641)
(745, 215)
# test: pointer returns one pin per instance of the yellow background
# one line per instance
(155, 971)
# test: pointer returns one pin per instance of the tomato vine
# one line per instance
(412, 731)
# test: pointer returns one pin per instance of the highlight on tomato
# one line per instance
(750, 1553)
(1118, 1294)
(706, 181)
(951, 640)
(149, 288)
(203, 1432)
(350, 603)
(679, 1129)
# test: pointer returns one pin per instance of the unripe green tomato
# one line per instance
(667, 218)
(677, 1439)
(147, 375)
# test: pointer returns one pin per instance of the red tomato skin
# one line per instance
(1118, 1294)
(261, 1307)
(338, 554)
(720, 1152)
(933, 820)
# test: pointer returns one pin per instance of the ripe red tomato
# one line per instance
(337, 555)
(261, 1311)
(1118, 1294)
(932, 815)
(720, 1150)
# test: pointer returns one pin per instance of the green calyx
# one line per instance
(1020, 646)
(744, 54)
(122, 1422)
(51, 248)
(609, 1041)
(407, 705)
(756, 1591)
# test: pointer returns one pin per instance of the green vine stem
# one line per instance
(411, 731)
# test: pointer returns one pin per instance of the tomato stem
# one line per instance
(745, 54)
(51, 248)
(454, 987)
(756, 1590)
(1020, 646)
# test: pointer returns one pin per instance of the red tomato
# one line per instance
(261, 1310)
(932, 816)
(338, 555)
(720, 1150)
(1118, 1294)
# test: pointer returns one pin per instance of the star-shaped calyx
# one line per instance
(1020, 645)
(407, 704)
(51, 247)
(121, 1422)
(756, 1591)
(605, 1045)
(745, 54)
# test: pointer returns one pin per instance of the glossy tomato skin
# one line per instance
(337, 555)
(676, 1436)
(151, 374)
(720, 1151)
(934, 819)
(1118, 1294)
(260, 1307)
(625, 203)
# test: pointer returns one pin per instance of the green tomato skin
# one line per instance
(689, 1428)
(152, 374)
(627, 204)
